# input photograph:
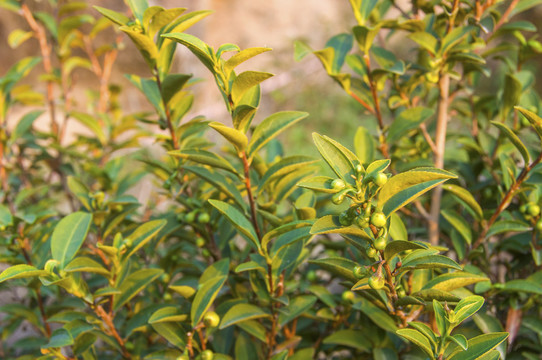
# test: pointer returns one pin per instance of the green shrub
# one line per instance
(251, 254)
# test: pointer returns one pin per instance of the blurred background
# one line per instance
(276, 24)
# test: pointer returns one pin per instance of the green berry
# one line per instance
(371, 252)
(523, 208)
(204, 218)
(533, 210)
(345, 219)
(200, 242)
(167, 297)
(380, 243)
(378, 219)
(311, 276)
(362, 221)
(207, 355)
(129, 346)
(348, 296)
(376, 282)
(401, 293)
(338, 198)
(338, 184)
(359, 272)
(359, 168)
(206, 253)
(128, 242)
(380, 179)
(190, 217)
(211, 319)
(165, 278)
(539, 226)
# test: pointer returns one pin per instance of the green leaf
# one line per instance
(365, 36)
(241, 57)
(460, 340)
(434, 294)
(330, 224)
(134, 284)
(465, 196)
(284, 167)
(479, 346)
(21, 271)
(208, 290)
(429, 262)
(86, 264)
(296, 307)
(60, 338)
(340, 159)
(90, 123)
(242, 312)
(282, 230)
(467, 307)
(143, 43)
(236, 137)
(533, 118)
(318, 183)
(196, 46)
(204, 157)
(425, 40)
(24, 125)
(378, 316)
(512, 90)
(183, 290)
(440, 317)
(244, 113)
(458, 223)
(68, 236)
(341, 44)
(150, 89)
(418, 339)
(364, 146)
(116, 17)
(172, 84)
(514, 139)
(405, 187)
(397, 229)
(271, 126)
(138, 8)
(245, 81)
(143, 234)
(17, 37)
(338, 266)
(455, 280)
(520, 285)
(355, 339)
(425, 330)
(408, 120)
(395, 247)
(218, 181)
(167, 314)
(504, 226)
(6, 219)
(241, 223)
(454, 37)
(172, 332)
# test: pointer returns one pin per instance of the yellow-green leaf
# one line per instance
(244, 82)
(242, 312)
(235, 137)
(68, 236)
(21, 271)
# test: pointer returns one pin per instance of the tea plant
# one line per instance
(253, 253)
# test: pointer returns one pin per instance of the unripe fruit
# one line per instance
(378, 219)
(348, 296)
(200, 242)
(338, 184)
(371, 252)
(362, 221)
(128, 242)
(207, 355)
(523, 208)
(205, 253)
(359, 272)
(380, 179)
(539, 226)
(345, 219)
(165, 278)
(376, 282)
(167, 297)
(211, 319)
(311, 276)
(533, 210)
(338, 198)
(359, 168)
(129, 346)
(190, 217)
(401, 293)
(380, 243)
(204, 218)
